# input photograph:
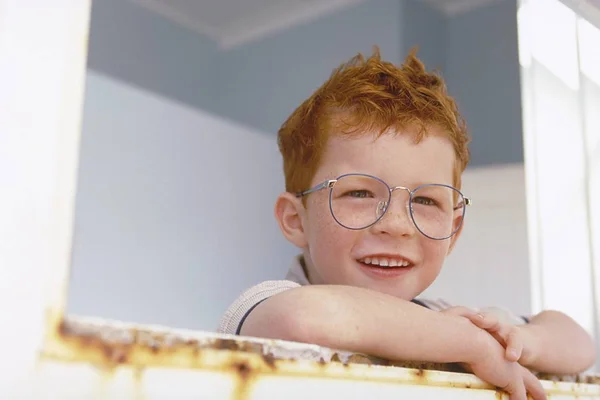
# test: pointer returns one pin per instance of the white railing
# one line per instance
(45, 354)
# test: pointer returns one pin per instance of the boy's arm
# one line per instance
(558, 344)
(550, 343)
(361, 320)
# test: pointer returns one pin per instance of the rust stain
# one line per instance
(234, 345)
(429, 366)
(112, 353)
(335, 358)
(244, 380)
(243, 370)
(360, 359)
(110, 348)
(269, 360)
(587, 379)
(419, 373)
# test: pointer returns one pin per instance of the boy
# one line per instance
(373, 163)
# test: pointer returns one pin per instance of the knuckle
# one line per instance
(493, 319)
(513, 332)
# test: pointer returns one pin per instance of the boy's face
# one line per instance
(332, 252)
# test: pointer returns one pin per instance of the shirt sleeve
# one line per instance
(235, 315)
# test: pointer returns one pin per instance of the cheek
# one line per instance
(328, 241)
(435, 251)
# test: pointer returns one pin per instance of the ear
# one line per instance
(455, 237)
(290, 212)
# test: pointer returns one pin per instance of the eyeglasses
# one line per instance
(358, 201)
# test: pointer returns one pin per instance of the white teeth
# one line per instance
(385, 262)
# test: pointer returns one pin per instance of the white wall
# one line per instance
(161, 185)
(174, 213)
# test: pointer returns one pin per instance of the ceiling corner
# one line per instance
(275, 19)
(170, 12)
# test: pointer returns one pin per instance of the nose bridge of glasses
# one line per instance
(392, 189)
(402, 188)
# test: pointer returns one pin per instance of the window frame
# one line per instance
(43, 46)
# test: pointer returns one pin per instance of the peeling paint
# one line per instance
(109, 346)
(113, 346)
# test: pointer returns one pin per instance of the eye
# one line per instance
(361, 194)
(425, 201)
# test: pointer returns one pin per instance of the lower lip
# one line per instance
(379, 272)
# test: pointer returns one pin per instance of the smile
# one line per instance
(385, 262)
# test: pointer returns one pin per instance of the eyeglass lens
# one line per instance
(358, 201)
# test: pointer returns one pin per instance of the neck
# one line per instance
(305, 269)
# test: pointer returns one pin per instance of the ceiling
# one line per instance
(234, 22)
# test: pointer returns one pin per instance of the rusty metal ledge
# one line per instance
(112, 345)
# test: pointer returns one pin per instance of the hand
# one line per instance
(491, 366)
(517, 341)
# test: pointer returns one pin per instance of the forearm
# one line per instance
(360, 320)
(560, 345)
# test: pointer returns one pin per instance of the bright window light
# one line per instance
(524, 24)
(589, 47)
(559, 54)
(553, 38)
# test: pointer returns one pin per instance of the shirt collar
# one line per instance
(296, 272)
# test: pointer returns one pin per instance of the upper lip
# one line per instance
(387, 255)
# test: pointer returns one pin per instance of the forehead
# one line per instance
(394, 156)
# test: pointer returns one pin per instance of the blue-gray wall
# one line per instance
(425, 28)
(133, 44)
(265, 81)
(260, 83)
(482, 71)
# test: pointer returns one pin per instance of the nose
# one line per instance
(396, 220)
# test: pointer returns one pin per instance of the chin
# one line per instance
(405, 287)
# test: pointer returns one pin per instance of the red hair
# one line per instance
(363, 95)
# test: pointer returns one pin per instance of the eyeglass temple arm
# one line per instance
(321, 186)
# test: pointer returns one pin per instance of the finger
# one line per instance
(487, 321)
(533, 385)
(516, 390)
(500, 331)
(514, 345)
(460, 311)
